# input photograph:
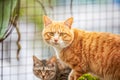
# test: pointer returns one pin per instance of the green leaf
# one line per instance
(88, 77)
(6, 10)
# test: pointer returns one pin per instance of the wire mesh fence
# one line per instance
(91, 15)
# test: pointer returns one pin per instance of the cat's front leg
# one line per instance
(71, 75)
(74, 75)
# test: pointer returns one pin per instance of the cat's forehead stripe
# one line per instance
(44, 62)
(57, 28)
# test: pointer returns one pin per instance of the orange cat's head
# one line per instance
(58, 34)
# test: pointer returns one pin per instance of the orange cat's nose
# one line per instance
(55, 40)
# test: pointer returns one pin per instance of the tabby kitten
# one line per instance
(51, 69)
(83, 51)
(43, 69)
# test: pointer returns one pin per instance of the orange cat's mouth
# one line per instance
(56, 43)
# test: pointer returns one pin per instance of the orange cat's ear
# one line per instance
(46, 20)
(69, 22)
(53, 59)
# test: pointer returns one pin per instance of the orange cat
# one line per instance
(83, 51)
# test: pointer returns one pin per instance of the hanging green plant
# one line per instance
(6, 16)
(8, 19)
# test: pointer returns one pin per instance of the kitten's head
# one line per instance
(58, 34)
(44, 69)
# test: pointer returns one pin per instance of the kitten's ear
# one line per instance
(69, 22)
(46, 20)
(35, 59)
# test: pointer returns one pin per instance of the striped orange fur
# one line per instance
(83, 51)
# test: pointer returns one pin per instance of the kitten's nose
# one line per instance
(43, 76)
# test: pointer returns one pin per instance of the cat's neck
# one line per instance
(57, 51)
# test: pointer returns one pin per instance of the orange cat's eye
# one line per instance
(62, 34)
(51, 33)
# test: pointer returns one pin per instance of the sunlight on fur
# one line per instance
(84, 51)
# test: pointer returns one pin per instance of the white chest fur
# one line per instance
(57, 51)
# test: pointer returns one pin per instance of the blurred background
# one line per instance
(21, 25)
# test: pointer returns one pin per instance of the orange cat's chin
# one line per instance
(58, 45)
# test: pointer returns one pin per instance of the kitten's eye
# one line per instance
(50, 65)
(37, 65)
(51, 33)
